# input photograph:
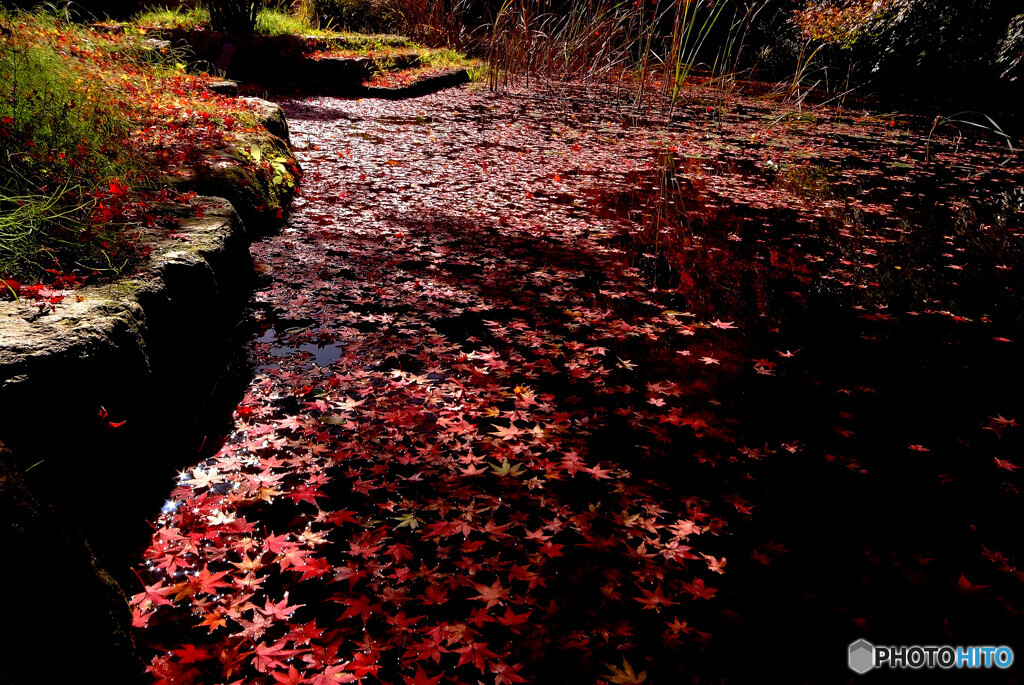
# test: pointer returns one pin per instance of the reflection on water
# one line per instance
(289, 342)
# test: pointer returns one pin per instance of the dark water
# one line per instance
(540, 393)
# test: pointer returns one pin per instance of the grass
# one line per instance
(271, 21)
(361, 16)
(439, 23)
(173, 17)
(448, 58)
(33, 229)
(57, 124)
(277, 22)
(431, 62)
(374, 42)
(607, 41)
(274, 21)
(62, 138)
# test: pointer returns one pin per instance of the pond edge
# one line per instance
(71, 373)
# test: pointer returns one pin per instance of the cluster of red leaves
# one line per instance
(402, 78)
(477, 442)
(171, 109)
(338, 53)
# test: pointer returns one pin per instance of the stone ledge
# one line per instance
(143, 351)
(224, 172)
(111, 318)
(271, 116)
(190, 273)
(425, 85)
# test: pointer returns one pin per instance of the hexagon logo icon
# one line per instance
(862, 656)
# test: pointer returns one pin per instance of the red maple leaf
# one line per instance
(551, 549)
(699, 590)
(208, 582)
(359, 605)
(116, 188)
(291, 677)
(654, 599)
(189, 654)
(492, 594)
(267, 657)
(281, 610)
(155, 593)
(505, 674)
(475, 653)
(513, 620)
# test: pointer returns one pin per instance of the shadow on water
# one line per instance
(853, 531)
(201, 413)
(886, 381)
(886, 493)
(884, 325)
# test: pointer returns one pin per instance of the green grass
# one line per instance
(90, 123)
(36, 230)
(58, 124)
(446, 58)
(370, 42)
(443, 59)
(63, 138)
(479, 72)
(271, 21)
(277, 22)
(173, 17)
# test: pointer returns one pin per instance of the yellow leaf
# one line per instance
(625, 675)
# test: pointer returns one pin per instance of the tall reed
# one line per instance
(634, 42)
(440, 23)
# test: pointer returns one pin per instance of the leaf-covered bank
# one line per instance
(121, 288)
(96, 129)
